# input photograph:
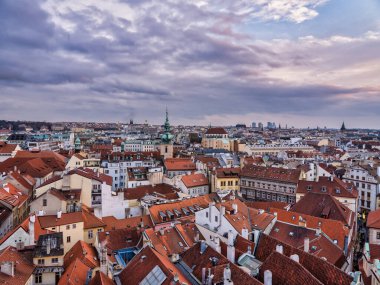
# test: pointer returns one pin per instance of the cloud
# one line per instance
(110, 60)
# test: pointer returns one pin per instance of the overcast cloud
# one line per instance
(218, 61)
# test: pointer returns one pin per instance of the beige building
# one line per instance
(74, 227)
(217, 138)
(48, 258)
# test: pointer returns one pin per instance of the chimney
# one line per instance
(280, 248)
(231, 247)
(162, 231)
(227, 275)
(235, 207)
(267, 277)
(196, 238)
(209, 277)
(32, 220)
(217, 244)
(244, 233)
(295, 257)
(210, 205)
(59, 214)
(256, 234)
(306, 244)
(204, 275)
(222, 210)
(8, 268)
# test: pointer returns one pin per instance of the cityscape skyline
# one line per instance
(304, 63)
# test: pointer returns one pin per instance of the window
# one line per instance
(67, 227)
(38, 278)
(106, 171)
(369, 186)
(54, 260)
(44, 202)
(68, 239)
(74, 226)
(363, 185)
(378, 235)
(216, 218)
(206, 214)
(41, 261)
(368, 204)
(90, 234)
(99, 230)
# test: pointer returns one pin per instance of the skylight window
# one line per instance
(155, 277)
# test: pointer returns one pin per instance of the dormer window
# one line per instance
(309, 187)
(323, 189)
(337, 190)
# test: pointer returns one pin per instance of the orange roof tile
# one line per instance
(194, 180)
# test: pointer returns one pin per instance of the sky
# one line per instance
(221, 62)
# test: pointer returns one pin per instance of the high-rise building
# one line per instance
(253, 124)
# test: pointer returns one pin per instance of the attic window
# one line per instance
(170, 214)
(335, 241)
(291, 234)
(323, 189)
(191, 209)
(185, 211)
(162, 215)
(196, 206)
(337, 190)
(178, 213)
(314, 248)
(293, 217)
(309, 187)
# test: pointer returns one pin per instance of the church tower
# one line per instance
(343, 128)
(166, 147)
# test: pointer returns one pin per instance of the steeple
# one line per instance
(343, 128)
(167, 124)
(167, 136)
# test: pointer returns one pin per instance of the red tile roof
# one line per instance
(144, 262)
(113, 224)
(91, 174)
(6, 148)
(319, 245)
(155, 210)
(335, 230)
(101, 279)
(324, 271)
(179, 164)
(271, 173)
(228, 172)
(23, 267)
(75, 274)
(83, 251)
(194, 180)
(287, 271)
(139, 192)
(166, 241)
(120, 239)
(197, 260)
(373, 219)
(88, 219)
(216, 131)
(325, 206)
(336, 188)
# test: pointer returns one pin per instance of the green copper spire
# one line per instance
(167, 124)
(167, 136)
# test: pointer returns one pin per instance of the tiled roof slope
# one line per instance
(324, 271)
(286, 271)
